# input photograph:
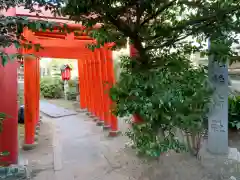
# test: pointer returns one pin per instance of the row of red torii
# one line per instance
(96, 76)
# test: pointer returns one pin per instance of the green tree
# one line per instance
(11, 29)
(153, 26)
(156, 25)
(159, 84)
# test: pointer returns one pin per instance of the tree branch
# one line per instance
(197, 20)
(158, 12)
(120, 25)
(168, 42)
(174, 40)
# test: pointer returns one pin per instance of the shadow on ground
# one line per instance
(87, 153)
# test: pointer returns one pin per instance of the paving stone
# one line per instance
(54, 111)
(88, 154)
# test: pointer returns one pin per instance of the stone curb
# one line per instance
(36, 138)
(28, 147)
(82, 110)
(106, 127)
(92, 116)
(95, 119)
(37, 132)
(88, 114)
(114, 133)
(99, 123)
(15, 172)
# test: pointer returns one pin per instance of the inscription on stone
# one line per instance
(217, 126)
(218, 115)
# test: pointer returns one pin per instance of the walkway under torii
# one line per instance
(95, 68)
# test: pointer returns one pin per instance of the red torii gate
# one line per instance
(95, 68)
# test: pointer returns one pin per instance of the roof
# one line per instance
(48, 16)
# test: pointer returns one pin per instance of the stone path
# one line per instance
(82, 151)
(54, 111)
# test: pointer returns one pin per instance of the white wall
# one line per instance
(48, 62)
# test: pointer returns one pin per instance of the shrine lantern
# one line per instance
(66, 72)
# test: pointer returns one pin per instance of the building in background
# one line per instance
(51, 67)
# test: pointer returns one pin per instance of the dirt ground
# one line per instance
(113, 160)
(41, 158)
(119, 163)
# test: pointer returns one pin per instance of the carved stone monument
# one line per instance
(218, 115)
(214, 154)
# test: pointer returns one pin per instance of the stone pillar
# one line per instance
(218, 116)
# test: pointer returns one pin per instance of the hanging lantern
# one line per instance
(66, 72)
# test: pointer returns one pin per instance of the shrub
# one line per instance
(20, 97)
(234, 112)
(169, 97)
(72, 83)
(51, 87)
(72, 94)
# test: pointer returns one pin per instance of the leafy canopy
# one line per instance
(11, 29)
(153, 26)
(157, 25)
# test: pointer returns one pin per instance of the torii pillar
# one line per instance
(9, 105)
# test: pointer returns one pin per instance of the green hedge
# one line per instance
(51, 87)
(234, 112)
(72, 94)
(20, 97)
(72, 83)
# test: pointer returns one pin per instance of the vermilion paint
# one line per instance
(37, 89)
(30, 98)
(94, 71)
(91, 85)
(81, 84)
(103, 67)
(100, 87)
(8, 105)
(94, 85)
(111, 81)
(97, 62)
(86, 81)
(54, 47)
